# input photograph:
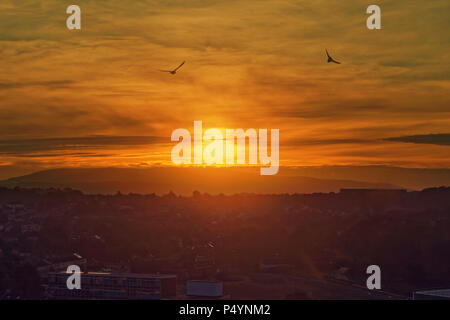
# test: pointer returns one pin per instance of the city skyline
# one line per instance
(95, 97)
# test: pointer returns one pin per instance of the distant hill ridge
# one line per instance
(161, 180)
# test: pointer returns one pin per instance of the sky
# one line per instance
(95, 97)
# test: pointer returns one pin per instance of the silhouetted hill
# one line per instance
(410, 178)
(183, 181)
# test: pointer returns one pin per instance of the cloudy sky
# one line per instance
(95, 97)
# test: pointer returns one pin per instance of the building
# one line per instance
(275, 265)
(109, 286)
(60, 265)
(204, 289)
(442, 294)
(375, 197)
(373, 192)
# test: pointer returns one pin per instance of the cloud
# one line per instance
(25, 146)
(250, 64)
(442, 139)
(328, 142)
(49, 84)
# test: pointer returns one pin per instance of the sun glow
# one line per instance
(235, 146)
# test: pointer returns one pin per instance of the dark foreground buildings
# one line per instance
(113, 286)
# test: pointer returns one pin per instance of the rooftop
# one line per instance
(437, 293)
(125, 275)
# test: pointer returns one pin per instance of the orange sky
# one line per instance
(95, 97)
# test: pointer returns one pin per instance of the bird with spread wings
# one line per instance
(330, 59)
(174, 71)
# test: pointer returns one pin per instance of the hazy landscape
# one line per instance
(161, 180)
(317, 246)
(135, 138)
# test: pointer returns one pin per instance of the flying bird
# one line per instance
(330, 59)
(174, 71)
